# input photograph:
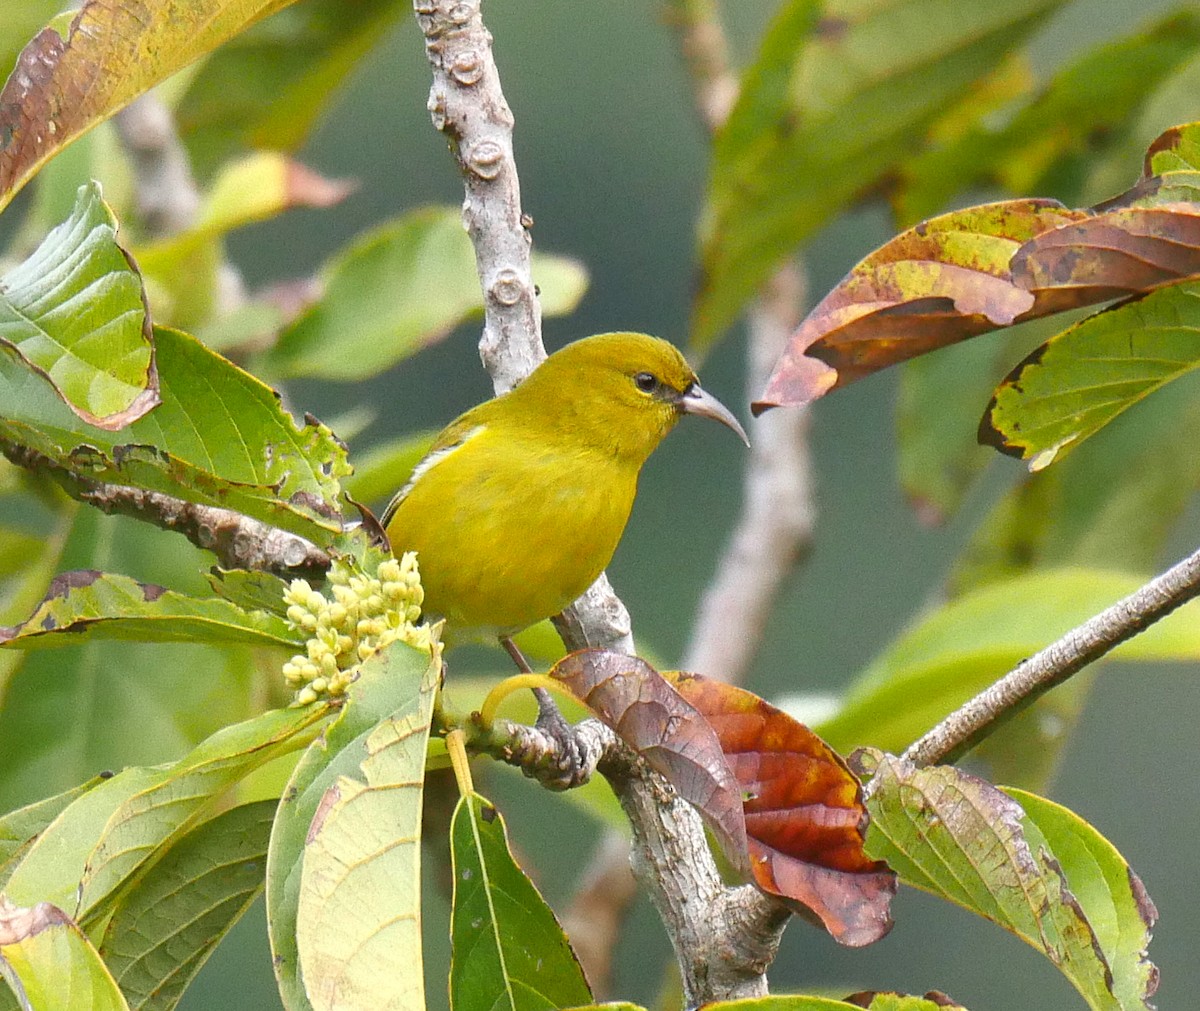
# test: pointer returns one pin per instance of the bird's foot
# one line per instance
(574, 756)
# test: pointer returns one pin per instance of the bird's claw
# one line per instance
(569, 764)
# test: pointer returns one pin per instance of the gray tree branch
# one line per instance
(1031, 678)
(719, 957)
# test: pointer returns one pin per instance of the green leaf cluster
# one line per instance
(125, 365)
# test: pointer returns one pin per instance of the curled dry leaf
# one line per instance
(940, 282)
(651, 717)
(805, 815)
(978, 269)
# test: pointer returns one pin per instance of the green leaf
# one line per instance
(19, 828)
(268, 86)
(62, 87)
(509, 951)
(862, 81)
(1078, 381)
(957, 650)
(1046, 144)
(165, 927)
(960, 838)
(392, 686)
(219, 437)
(401, 287)
(1109, 893)
(1110, 503)
(50, 963)
(107, 835)
(75, 312)
(87, 604)
(130, 704)
(358, 925)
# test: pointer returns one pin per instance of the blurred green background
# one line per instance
(613, 167)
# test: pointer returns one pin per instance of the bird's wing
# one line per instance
(451, 438)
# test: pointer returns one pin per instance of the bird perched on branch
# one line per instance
(521, 501)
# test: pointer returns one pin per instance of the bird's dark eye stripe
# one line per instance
(646, 382)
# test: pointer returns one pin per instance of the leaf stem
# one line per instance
(487, 712)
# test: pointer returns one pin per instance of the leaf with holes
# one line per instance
(219, 437)
(75, 311)
(667, 731)
(508, 951)
(805, 816)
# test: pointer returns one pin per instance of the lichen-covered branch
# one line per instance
(238, 541)
(467, 104)
(719, 957)
(1031, 678)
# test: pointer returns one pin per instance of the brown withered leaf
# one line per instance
(804, 809)
(1118, 252)
(940, 282)
(868, 998)
(62, 87)
(650, 716)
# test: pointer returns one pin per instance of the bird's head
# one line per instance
(621, 392)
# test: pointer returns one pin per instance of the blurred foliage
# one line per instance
(170, 681)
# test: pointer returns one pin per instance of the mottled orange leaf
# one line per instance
(648, 714)
(1119, 252)
(940, 282)
(804, 809)
(62, 87)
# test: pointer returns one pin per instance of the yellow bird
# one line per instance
(521, 501)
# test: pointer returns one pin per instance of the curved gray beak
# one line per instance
(696, 401)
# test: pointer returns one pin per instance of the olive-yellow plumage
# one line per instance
(521, 501)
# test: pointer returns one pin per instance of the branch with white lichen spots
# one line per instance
(715, 930)
(238, 541)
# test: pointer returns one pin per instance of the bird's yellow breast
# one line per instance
(510, 529)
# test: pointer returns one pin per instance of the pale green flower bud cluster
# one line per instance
(365, 614)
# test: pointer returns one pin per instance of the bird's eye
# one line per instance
(646, 382)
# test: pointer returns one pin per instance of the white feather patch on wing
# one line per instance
(427, 463)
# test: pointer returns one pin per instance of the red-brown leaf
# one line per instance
(938, 283)
(648, 714)
(804, 812)
(1129, 250)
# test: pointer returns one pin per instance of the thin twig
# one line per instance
(164, 188)
(706, 51)
(715, 931)
(775, 527)
(1033, 677)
